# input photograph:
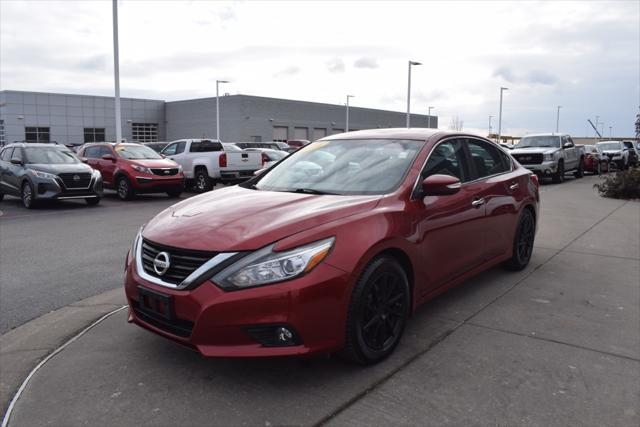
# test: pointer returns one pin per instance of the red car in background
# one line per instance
(595, 161)
(296, 144)
(133, 168)
(334, 247)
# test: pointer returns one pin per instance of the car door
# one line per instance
(450, 227)
(15, 170)
(107, 167)
(499, 186)
(7, 184)
(570, 153)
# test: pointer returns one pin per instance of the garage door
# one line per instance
(280, 133)
(300, 133)
(319, 133)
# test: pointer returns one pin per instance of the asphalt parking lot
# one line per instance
(555, 344)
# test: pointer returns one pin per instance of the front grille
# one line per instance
(182, 262)
(165, 171)
(528, 159)
(75, 180)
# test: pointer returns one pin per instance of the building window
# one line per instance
(1, 133)
(94, 135)
(144, 132)
(36, 134)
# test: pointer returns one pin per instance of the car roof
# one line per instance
(33, 144)
(619, 142)
(421, 134)
(547, 134)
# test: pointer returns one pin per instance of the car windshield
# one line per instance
(539, 141)
(49, 155)
(610, 146)
(367, 166)
(134, 152)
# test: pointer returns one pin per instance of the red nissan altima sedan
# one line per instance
(334, 247)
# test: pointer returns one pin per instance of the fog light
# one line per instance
(284, 335)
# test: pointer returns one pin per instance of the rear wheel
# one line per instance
(202, 181)
(558, 177)
(378, 312)
(522, 242)
(124, 189)
(27, 195)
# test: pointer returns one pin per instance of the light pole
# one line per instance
(558, 118)
(502, 89)
(429, 117)
(610, 131)
(346, 122)
(218, 107)
(490, 116)
(116, 72)
(409, 92)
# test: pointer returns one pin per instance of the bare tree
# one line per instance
(456, 123)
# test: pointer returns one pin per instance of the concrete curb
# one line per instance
(22, 348)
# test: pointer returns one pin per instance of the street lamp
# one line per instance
(346, 124)
(409, 91)
(610, 131)
(218, 107)
(116, 72)
(490, 116)
(502, 89)
(558, 118)
(429, 117)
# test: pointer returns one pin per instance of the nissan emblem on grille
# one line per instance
(76, 178)
(161, 263)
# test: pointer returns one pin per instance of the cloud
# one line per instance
(289, 71)
(335, 65)
(366, 62)
(532, 77)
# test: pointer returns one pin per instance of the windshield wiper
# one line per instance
(309, 191)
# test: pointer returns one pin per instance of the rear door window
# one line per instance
(487, 160)
(205, 147)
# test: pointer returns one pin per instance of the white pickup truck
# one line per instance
(205, 162)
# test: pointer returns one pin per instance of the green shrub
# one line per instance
(621, 185)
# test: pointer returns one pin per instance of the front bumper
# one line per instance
(544, 168)
(157, 184)
(48, 189)
(218, 323)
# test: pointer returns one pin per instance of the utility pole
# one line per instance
(116, 72)
(502, 89)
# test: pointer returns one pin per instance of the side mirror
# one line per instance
(108, 157)
(16, 161)
(440, 185)
(163, 156)
(84, 160)
(567, 145)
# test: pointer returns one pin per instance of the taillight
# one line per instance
(534, 179)
(222, 160)
(265, 159)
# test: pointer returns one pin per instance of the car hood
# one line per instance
(155, 163)
(238, 219)
(534, 150)
(56, 169)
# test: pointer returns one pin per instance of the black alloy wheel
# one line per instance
(125, 192)
(378, 312)
(523, 242)
(27, 196)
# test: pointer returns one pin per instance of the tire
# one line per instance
(27, 196)
(202, 181)
(174, 193)
(92, 201)
(124, 189)
(579, 173)
(606, 168)
(378, 312)
(522, 242)
(598, 169)
(1, 196)
(558, 177)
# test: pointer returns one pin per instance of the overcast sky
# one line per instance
(583, 55)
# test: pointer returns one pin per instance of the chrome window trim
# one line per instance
(511, 169)
(221, 257)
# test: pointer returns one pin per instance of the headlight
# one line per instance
(548, 157)
(97, 174)
(141, 169)
(179, 168)
(43, 174)
(266, 266)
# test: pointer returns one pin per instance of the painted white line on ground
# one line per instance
(23, 386)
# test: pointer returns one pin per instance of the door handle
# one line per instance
(514, 186)
(476, 203)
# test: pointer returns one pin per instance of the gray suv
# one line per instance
(36, 172)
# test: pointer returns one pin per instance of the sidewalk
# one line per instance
(555, 344)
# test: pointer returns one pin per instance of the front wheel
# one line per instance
(558, 177)
(28, 198)
(579, 173)
(598, 169)
(378, 312)
(522, 242)
(124, 189)
(1, 196)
